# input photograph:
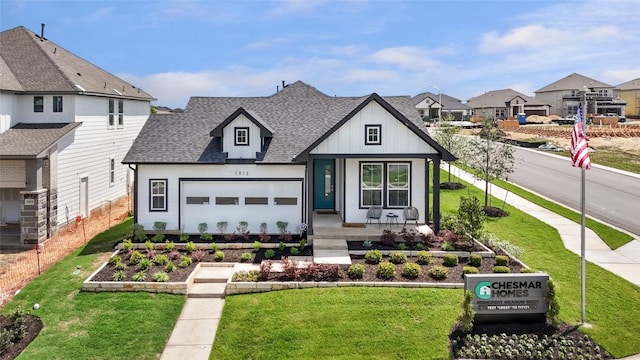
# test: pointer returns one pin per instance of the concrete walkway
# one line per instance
(624, 261)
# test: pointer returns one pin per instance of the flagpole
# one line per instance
(583, 288)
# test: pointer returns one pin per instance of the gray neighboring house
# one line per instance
(283, 158)
(566, 94)
(65, 126)
(501, 104)
(428, 105)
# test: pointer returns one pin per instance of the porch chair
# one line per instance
(374, 213)
(410, 213)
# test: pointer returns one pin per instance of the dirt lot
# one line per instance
(626, 144)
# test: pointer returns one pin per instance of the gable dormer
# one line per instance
(243, 135)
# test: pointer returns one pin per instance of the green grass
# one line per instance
(612, 303)
(612, 157)
(338, 323)
(612, 237)
(82, 325)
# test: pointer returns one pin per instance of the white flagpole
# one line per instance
(583, 289)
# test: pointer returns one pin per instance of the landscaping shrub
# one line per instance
(475, 260)
(160, 276)
(148, 245)
(398, 257)
(127, 244)
(501, 269)
(502, 260)
(269, 253)
(213, 247)
(424, 257)
(198, 255)
(439, 272)
(171, 267)
(373, 256)
(246, 276)
(356, 271)
(411, 271)
(256, 246)
(169, 246)
(184, 237)
(161, 259)
(219, 256)
(294, 251)
(139, 276)
(421, 246)
(450, 260)
(120, 266)
(115, 259)
(14, 331)
(527, 270)
(136, 256)
(157, 238)
(447, 246)
(174, 254)
(190, 247)
(151, 253)
(470, 270)
(184, 261)
(465, 321)
(206, 236)
(388, 237)
(282, 246)
(145, 264)
(320, 272)
(119, 275)
(386, 270)
(245, 257)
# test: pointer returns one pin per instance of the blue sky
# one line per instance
(178, 49)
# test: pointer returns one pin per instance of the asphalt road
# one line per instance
(611, 196)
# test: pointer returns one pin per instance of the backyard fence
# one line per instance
(19, 268)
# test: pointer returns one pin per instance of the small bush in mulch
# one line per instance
(452, 186)
(524, 341)
(491, 211)
(17, 331)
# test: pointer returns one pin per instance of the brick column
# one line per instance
(33, 223)
(52, 213)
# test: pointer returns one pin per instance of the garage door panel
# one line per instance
(251, 201)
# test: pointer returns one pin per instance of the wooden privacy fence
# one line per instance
(24, 266)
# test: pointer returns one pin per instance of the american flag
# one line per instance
(579, 146)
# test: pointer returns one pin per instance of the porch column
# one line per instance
(309, 195)
(426, 191)
(33, 216)
(436, 195)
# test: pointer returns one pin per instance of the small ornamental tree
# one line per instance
(471, 218)
(465, 321)
(489, 158)
(554, 308)
(446, 135)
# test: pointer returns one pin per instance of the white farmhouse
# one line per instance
(65, 126)
(283, 158)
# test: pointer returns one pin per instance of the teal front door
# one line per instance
(323, 184)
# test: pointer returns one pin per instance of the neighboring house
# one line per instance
(429, 106)
(566, 94)
(629, 92)
(501, 104)
(65, 126)
(282, 158)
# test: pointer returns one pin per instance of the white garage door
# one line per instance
(255, 202)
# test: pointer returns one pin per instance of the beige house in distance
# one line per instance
(501, 104)
(629, 92)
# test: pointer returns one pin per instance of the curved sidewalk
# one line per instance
(624, 261)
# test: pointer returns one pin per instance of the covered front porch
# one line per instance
(330, 226)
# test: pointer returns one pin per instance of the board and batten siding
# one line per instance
(86, 153)
(353, 213)
(229, 173)
(241, 152)
(397, 138)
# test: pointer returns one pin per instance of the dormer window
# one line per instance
(241, 136)
(373, 134)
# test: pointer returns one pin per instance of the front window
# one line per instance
(241, 136)
(38, 104)
(371, 184)
(158, 195)
(57, 104)
(120, 113)
(112, 112)
(385, 184)
(372, 134)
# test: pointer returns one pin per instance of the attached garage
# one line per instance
(255, 201)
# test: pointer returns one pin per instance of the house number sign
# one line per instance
(241, 173)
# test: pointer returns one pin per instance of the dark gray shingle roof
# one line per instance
(449, 102)
(299, 115)
(574, 81)
(25, 141)
(43, 66)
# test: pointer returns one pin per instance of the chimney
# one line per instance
(42, 32)
(283, 84)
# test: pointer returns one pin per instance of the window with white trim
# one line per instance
(241, 136)
(385, 184)
(373, 134)
(57, 104)
(112, 114)
(158, 195)
(120, 113)
(38, 104)
(112, 171)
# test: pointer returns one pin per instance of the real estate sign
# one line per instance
(507, 294)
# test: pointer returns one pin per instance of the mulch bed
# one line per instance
(33, 325)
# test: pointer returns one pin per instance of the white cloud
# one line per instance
(525, 37)
(408, 57)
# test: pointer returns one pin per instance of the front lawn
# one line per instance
(338, 323)
(81, 325)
